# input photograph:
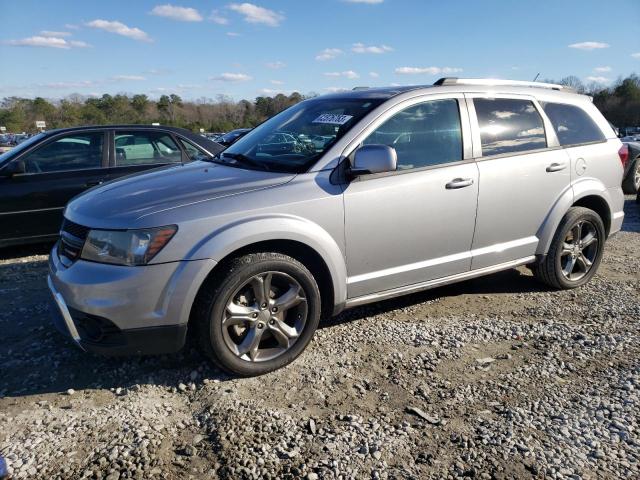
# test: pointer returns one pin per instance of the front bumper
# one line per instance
(111, 309)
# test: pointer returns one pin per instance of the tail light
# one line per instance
(623, 153)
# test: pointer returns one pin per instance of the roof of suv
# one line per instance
(457, 86)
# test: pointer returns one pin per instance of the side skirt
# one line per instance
(418, 287)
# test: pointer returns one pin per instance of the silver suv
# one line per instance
(339, 201)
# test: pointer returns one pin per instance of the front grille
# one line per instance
(72, 237)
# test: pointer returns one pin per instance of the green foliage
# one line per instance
(223, 114)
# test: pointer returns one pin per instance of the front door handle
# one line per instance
(93, 183)
(459, 183)
(556, 167)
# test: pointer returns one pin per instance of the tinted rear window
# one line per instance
(572, 124)
(509, 125)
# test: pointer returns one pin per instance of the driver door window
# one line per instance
(144, 148)
(73, 152)
(423, 135)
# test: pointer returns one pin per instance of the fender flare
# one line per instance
(580, 189)
(248, 231)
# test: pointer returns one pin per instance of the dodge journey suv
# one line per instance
(411, 188)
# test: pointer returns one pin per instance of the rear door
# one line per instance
(31, 204)
(523, 172)
(134, 151)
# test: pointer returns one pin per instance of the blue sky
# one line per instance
(207, 48)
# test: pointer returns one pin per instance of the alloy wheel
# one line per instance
(264, 317)
(579, 250)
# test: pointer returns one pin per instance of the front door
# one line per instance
(417, 223)
(32, 203)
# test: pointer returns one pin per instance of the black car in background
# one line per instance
(39, 176)
(234, 135)
(631, 179)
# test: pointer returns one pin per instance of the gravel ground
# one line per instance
(492, 378)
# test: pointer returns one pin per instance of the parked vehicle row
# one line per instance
(396, 190)
(39, 176)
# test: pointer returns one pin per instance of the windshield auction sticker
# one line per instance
(333, 119)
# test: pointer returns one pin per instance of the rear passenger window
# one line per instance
(509, 125)
(141, 148)
(423, 135)
(573, 125)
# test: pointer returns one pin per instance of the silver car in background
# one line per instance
(414, 188)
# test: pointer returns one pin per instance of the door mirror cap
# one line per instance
(13, 168)
(370, 159)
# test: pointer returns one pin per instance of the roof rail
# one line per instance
(499, 82)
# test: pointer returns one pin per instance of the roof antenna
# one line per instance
(536, 77)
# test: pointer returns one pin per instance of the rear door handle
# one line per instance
(93, 183)
(459, 183)
(556, 167)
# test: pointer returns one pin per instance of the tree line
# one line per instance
(620, 104)
(214, 115)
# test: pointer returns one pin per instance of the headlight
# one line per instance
(126, 247)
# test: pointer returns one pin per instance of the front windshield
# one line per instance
(20, 147)
(296, 138)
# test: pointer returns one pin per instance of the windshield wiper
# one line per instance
(244, 159)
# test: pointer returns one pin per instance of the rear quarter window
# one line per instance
(572, 124)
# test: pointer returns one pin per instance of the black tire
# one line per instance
(218, 290)
(630, 184)
(549, 270)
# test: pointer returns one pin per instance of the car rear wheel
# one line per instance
(575, 252)
(258, 314)
(631, 184)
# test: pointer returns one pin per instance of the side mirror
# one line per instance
(13, 168)
(369, 159)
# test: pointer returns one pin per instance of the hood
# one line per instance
(125, 202)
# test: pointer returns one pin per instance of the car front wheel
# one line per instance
(259, 314)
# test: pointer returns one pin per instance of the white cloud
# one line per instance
(233, 34)
(66, 85)
(598, 79)
(374, 74)
(49, 33)
(350, 74)
(329, 54)
(602, 69)
(589, 45)
(215, 17)
(232, 77)
(49, 42)
(120, 28)
(362, 48)
(271, 91)
(636, 55)
(276, 65)
(135, 78)
(426, 70)
(255, 14)
(182, 14)
(370, 2)
(336, 89)
(276, 82)
(71, 26)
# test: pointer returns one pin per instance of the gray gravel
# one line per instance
(493, 378)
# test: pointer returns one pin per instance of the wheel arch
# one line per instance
(588, 193)
(298, 238)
